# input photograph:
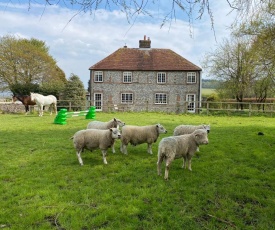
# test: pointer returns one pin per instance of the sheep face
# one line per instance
(115, 133)
(201, 136)
(119, 122)
(207, 128)
(161, 129)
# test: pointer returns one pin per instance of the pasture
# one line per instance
(232, 185)
(207, 92)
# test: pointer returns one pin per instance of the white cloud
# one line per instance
(79, 41)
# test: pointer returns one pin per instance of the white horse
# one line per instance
(42, 100)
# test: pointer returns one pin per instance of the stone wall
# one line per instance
(144, 86)
(9, 107)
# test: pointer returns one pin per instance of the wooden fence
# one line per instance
(201, 107)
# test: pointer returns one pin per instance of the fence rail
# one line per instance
(201, 107)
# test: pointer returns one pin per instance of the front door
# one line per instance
(98, 101)
(191, 106)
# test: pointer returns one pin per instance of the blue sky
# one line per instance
(78, 41)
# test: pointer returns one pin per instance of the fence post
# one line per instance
(249, 113)
(207, 108)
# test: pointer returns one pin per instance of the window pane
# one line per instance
(161, 78)
(191, 77)
(127, 77)
(126, 98)
(160, 98)
(98, 76)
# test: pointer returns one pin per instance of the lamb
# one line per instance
(93, 139)
(175, 147)
(187, 129)
(139, 135)
(114, 123)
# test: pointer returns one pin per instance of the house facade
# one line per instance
(145, 79)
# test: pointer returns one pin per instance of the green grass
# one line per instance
(232, 185)
(207, 92)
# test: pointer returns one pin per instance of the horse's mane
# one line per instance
(20, 95)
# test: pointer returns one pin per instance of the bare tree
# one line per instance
(232, 63)
(193, 9)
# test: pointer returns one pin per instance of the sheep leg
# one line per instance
(184, 162)
(123, 148)
(167, 166)
(149, 149)
(79, 156)
(160, 159)
(104, 154)
(113, 148)
(189, 163)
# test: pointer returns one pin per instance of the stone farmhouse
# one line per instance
(145, 79)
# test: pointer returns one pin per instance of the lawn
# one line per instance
(232, 185)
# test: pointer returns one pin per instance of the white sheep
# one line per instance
(136, 135)
(183, 146)
(114, 123)
(187, 129)
(93, 139)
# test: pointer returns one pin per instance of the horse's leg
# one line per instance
(51, 108)
(55, 108)
(26, 109)
(41, 110)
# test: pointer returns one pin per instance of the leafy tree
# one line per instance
(261, 30)
(24, 89)
(74, 93)
(26, 62)
(232, 63)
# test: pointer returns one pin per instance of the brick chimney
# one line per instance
(145, 43)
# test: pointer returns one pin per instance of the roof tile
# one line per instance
(138, 59)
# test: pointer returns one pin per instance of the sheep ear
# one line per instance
(114, 119)
(111, 129)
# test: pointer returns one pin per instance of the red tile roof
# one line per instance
(145, 59)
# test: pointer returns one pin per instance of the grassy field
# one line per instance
(232, 185)
(207, 92)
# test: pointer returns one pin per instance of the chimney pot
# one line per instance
(145, 43)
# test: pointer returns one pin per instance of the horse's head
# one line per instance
(32, 96)
(14, 98)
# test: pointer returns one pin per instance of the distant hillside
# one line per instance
(210, 83)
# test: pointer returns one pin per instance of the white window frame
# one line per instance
(161, 77)
(160, 98)
(124, 98)
(127, 77)
(98, 76)
(191, 77)
(191, 103)
(98, 101)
